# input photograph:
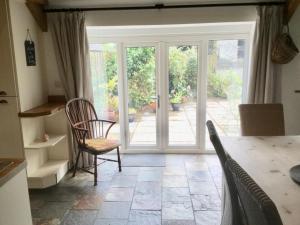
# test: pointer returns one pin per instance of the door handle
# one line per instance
(3, 101)
(3, 93)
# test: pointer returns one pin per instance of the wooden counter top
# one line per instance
(10, 169)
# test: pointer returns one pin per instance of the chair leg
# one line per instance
(76, 163)
(82, 158)
(119, 159)
(95, 170)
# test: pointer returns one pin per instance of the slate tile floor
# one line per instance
(173, 190)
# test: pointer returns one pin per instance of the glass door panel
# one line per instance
(103, 61)
(225, 85)
(182, 109)
(141, 95)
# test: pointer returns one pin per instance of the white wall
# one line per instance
(291, 82)
(171, 16)
(31, 79)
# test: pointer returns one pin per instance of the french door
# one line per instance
(161, 88)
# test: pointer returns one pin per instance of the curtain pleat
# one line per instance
(71, 48)
(264, 73)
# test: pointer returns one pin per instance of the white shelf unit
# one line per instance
(48, 174)
(47, 162)
(53, 140)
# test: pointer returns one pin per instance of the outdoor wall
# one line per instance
(291, 82)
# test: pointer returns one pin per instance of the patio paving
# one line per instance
(182, 124)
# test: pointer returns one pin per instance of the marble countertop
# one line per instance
(13, 167)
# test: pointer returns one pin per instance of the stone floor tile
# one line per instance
(114, 210)
(119, 195)
(150, 175)
(140, 217)
(175, 181)
(123, 181)
(57, 193)
(174, 171)
(130, 171)
(208, 217)
(110, 222)
(196, 166)
(177, 211)
(147, 196)
(176, 194)
(52, 210)
(202, 188)
(38, 221)
(198, 175)
(150, 160)
(80, 217)
(206, 202)
(178, 222)
(88, 201)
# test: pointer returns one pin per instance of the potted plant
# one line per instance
(175, 101)
(112, 112)
(131, 114)
(152, 106)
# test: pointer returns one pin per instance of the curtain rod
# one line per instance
(162, 6)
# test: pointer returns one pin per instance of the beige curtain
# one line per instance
(71, 48)
(265, 74)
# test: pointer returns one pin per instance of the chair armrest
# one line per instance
(105, 121)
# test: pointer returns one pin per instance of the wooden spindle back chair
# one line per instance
(90, 133)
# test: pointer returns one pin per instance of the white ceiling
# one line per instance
(111, 3)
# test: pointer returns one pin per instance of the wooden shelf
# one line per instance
(55, 104)
(43, 110)
(53, 140)
(48, 174)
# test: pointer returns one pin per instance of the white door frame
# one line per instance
(127, 145)
(199, 37)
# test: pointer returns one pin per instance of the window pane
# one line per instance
(141, 78)
(226, 60)
(183, 73)
(103, 60)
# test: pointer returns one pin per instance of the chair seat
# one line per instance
(101, 144)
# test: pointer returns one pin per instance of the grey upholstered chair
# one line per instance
(231, 208)
(258, 208)
(262, 119)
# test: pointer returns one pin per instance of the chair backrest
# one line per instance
(232, 206)
(258, 208)
(79, 112)
(262, 119)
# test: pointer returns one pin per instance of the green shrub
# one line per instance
(224, 85)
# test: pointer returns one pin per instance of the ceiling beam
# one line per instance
(36, 7)
(292, 6)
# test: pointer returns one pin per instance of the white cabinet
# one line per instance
(11, 142)
(7, 69)
(14, 198)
